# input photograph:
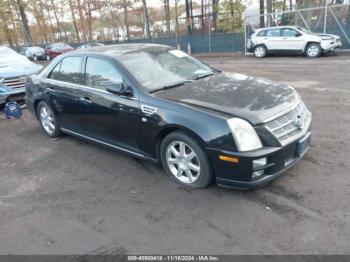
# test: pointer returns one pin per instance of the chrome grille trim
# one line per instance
(13, 82)
(286, 128)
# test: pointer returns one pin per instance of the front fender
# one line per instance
(210, 130)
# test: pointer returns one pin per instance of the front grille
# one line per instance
(288, 127)
(13, 82)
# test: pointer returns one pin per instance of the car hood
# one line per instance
(18, 68)
(326, 36)
(251, 98)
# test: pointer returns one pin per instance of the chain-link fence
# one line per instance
(222, 32)
(328, 19)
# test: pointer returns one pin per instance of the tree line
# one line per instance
(27, 22)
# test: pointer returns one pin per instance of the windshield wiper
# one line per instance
(181, 83)
(203, 75)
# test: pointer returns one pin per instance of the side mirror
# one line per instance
(298, 34)
(119, 89)
(115, 88)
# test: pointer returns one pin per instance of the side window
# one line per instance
(55, 73)
(262, 33)
(100, 73)
(287, 32)
(70, 70)
(273, 33)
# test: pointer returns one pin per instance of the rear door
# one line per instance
(66, 92)
(273, 39)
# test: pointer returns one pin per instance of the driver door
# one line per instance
(292, 39)
(110, 118)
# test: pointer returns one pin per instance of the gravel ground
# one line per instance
(67, 196)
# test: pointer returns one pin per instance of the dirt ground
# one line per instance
(67, 196)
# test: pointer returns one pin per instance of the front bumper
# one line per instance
(239, 175)
(330, 46)
(17, 94)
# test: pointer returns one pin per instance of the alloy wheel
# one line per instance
(313, 51)
(183, 162)
(260, 51)
(47, 120)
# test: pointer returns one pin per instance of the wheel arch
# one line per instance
(35, 107)
(310, 42)
(173, 128)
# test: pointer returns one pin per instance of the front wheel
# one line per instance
(48, 120)
(260, 51)
(185, 161)
(313, 50)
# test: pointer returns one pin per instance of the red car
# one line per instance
(54, 50)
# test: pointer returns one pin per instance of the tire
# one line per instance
(48, 120)
(260, 51)
(313, 50)
(191, 167)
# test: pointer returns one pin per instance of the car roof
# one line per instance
(121, 49)
(276, 27)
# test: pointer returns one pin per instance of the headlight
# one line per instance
(244, 135)
(23, 79)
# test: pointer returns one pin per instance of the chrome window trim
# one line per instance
(86, 87)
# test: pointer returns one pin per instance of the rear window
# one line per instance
(262, 33)
(288, 32)
(68, 70)
(274, 33)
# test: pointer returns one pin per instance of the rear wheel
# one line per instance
(48, 120)
(260, 51)
(313, 50)
(185, 161)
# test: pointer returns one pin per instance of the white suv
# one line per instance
(291, 39)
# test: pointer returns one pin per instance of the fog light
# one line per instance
(258, 166)
(258, 173)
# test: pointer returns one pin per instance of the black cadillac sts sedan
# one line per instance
(158, 103)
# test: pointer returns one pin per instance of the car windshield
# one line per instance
(304, 30)
(156, 70)
(62, 46)
(35, 48)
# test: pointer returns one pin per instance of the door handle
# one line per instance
(51, 90)
(85, 100)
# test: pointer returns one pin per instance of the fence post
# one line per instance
(209, 33)
(325, 17)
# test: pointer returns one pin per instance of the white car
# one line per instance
(291, 39)
(34, 53)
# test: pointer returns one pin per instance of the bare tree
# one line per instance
(71, 7)
(26, 29)
(167, 16)
(59, 26)
(262, 13)
(126, 23)
(145, 12)
(215, 13)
